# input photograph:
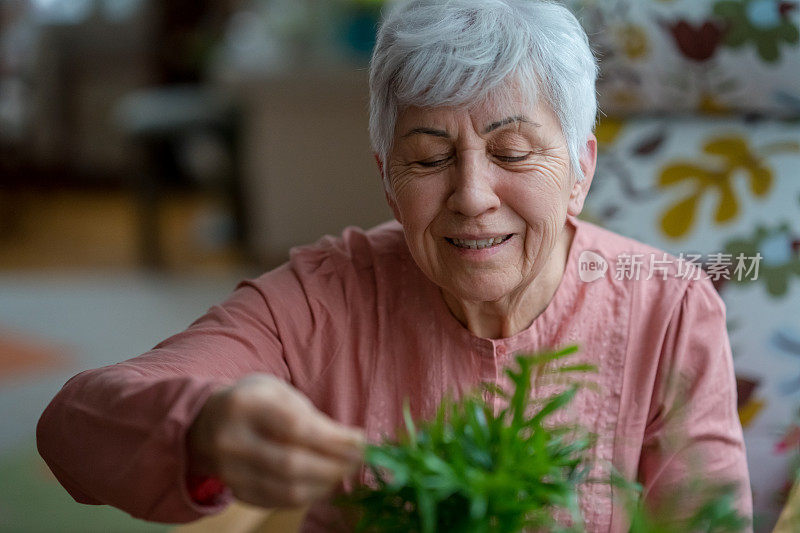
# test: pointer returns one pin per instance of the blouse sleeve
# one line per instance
(693, 430)
(116, 435)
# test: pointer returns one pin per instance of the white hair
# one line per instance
(433, 53)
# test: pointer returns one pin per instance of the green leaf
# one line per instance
(582, 367)
(556, 402)
(412, 431)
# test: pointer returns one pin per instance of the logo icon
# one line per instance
(591, 266)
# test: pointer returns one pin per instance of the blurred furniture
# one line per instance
(243, 518)
(80, 65)
(307, 166)
(188, 132)
(74, 60)
(67, 67)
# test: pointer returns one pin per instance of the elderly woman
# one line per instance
(482, 114)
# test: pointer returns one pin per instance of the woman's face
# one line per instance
(483, 194)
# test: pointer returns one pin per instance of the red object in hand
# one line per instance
(205, 490)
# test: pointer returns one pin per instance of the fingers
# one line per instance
(294, 420)
(299, 464)
(267, 474)
(319, 433)
(267, 492)
(272, 447)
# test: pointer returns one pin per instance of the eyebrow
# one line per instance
(493, 126)
(427, 131)
(510, 120)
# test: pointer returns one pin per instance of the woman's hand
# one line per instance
(270, 445)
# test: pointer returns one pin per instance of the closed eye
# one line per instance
(512, 159)
(436, 163)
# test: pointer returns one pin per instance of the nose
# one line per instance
(472, 187)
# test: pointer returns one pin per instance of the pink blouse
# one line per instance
(354, 324)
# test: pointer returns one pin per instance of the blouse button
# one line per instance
(501, 350)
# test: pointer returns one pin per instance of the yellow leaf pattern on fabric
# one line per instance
(732, 148)
(761, 180)
(680, 172)
(730, 156)
(607, 131)
(709, 104)
(728, 206)
(633, 39)
(679, 218)
(749, 411)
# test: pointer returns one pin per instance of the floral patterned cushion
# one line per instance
(720, 189)
(715, 56)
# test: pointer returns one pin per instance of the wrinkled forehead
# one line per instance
(482, 116)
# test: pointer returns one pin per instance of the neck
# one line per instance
(517, 311)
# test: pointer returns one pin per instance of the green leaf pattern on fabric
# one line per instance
(762, 23)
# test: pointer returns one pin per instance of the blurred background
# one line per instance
(152, 154)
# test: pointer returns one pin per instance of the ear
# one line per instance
(389, 199)
(393, 206)
(580, 189)
(379, 162)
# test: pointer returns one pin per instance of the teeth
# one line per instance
(478, 244)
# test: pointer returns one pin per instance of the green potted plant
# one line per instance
(470, 469)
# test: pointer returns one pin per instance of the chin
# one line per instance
(479, 289)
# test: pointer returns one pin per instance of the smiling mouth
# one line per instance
(479, 244)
